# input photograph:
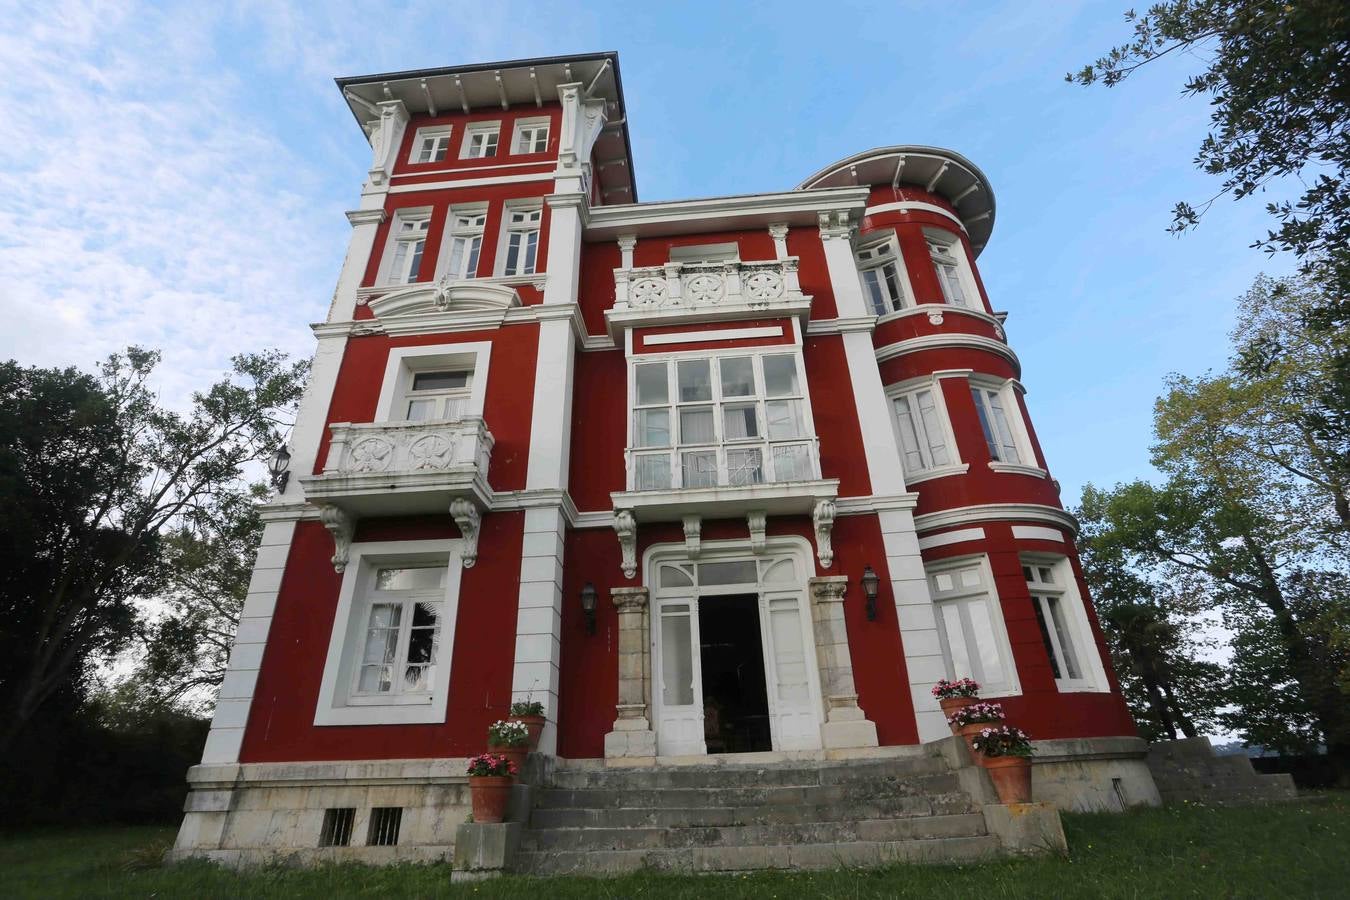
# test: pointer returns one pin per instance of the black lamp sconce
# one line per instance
(588, 601)
(278, 466)
(870, 583)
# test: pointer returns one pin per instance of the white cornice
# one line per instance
(817, 327)
(943, 341)
(946, 309)
(914, 206)
(996, 512)
(715, 213)
(857, 506)
(365, 216)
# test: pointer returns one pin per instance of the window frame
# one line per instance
(432, 133)
(719, 402)
(411, 394)
(531, 124)
(412, 267)
(987, 592)
(954, 248)
(510, 230)
(455, 232)
(346, 643)
(1006, 391)
(484, 129)
(404, 362)
(407, 599)
(911, 388)
(1092, 674)
(874, 244)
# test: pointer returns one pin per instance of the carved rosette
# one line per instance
(432, 451)
(371, 454)
(763, 286)
(703, 287)
(648, 292)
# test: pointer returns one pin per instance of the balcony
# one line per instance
(401, 468)
(703, 292)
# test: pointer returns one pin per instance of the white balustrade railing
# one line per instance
(738, 464)
(757, 284)
(409, 447)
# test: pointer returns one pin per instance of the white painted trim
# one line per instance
(818, 327)
(951, 537)
(469, 182)
(910, 386)
(430, 131)
(1037, 533)
(704, 214)
(1089, 656)
(924, 309)
(1014, 684)
(881, 447)
(397, 366)
(936, 472)
(996, 512)
(453, 170)
(1018, 468)
(724, 334)
(913, 206)
(951, 339)
(345, 637)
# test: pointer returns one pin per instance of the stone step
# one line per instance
(785, 774)
(775, 814)
(865, 830)
(747, 794)
(745, 858)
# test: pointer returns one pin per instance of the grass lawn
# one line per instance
(1299, 850)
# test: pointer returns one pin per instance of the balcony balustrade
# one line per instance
(678, 292)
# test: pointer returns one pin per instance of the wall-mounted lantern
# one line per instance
(588, 601)
(870, 584)
(278, 466)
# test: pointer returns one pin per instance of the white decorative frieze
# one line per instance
(822, 518)
(409, 447)
(469, 520)
(758, 284)
(625, 526)
(342, 527)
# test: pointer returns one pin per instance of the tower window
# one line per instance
(991, 407)
(947, 259)
(879, 266)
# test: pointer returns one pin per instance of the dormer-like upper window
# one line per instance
(882, 278)
(953, 274)
(480, 141)
(431, 145)
(531, 136)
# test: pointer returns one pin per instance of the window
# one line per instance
(729, 251)
(1049, 598)
(466, 242)
(337, 827)
(437, 396)
(733, 419)
(924, 443)
(402, 633)
(431, 145)
(480, 141)
(991, 406)
(880, 270)
(522, 240)
(384, 825)
(409, 240)
(531, 136)
(970, 626)
(948, 266)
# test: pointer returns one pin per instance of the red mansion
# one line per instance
(724, 483)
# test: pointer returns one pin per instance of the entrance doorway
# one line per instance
(735, 695)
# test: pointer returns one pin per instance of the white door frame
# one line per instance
(774, 550)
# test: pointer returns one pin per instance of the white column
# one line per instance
(365, 222)
(924, 663)
(241, 674)
(845, 725)
(632, 734)
(313, 410)
(535, 673)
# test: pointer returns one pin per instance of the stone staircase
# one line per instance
(785, 814)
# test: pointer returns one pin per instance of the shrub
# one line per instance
(527, 708)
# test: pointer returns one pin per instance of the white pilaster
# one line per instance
(241, 674)
(917, 618)
(534, 674)
(313, 410)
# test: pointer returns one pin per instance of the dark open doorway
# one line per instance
(735, 697)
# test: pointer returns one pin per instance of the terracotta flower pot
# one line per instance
(490, 794)
(515, 754)
(969, 732)
(535, 725)
(1011, 776)
(952, 704)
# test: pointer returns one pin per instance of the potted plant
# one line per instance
(1006, 753)
(952, 695)
(490, 778)
(969, 721)
(509, 739)
(529, 713)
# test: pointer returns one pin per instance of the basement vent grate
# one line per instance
(384, 823)
(337, 827)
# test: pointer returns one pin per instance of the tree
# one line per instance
(94, 474)
(1277, 76)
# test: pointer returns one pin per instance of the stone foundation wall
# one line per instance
(260, 813)
(1188, 770)
(1093, 774)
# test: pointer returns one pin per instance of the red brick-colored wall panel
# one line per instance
(836, 415)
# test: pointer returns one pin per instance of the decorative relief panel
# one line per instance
(757, 284)
(409, 447)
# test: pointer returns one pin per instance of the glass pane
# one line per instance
(1046, 574)
(734, 572)
(792, 462)
(696, 425)
(653, 472)
(651, 383)
(677, 658)
(695, 380)
(376, 679)
(909, 437)
(875, 297)
(416, 678)
(780, 376)
(784, 419)
(738, 377)
(745, 467)
(983, 627)
(782, 572)
(651, 428)
(421, 410)
(675, 576)
(739, 422)
(971, 577)
(944, 582)
(933, 433)
(789, 661)
(1045, 637)
(699, 468)
(1065, 639)
(439, 381)
(956, 640)
(419, 578)
(983, 414)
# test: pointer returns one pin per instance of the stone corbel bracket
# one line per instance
(342, 527)
(822, 517)
(470, 521)
(625, 526)
(693, 535)
(756, 521)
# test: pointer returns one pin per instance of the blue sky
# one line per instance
(176, 174)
